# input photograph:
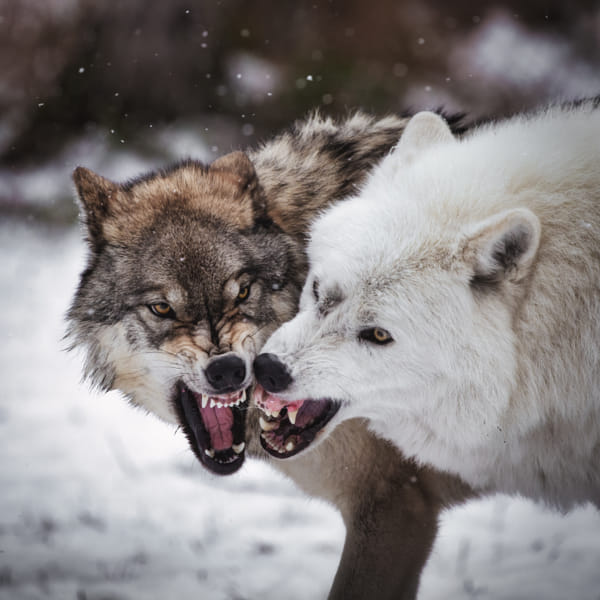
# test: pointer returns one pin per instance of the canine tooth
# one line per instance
(212, 403)
(290, 446)
(210, 452)
(265, 425)
(292, 414)
(239, 448)
(204, 400)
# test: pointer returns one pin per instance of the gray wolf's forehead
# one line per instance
(181, 272)
(192, 240)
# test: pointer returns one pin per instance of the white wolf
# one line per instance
(455, 303)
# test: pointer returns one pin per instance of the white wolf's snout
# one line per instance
(273, 367)
(297, 408)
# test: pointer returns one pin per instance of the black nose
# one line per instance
(271, 373)
(226, 373)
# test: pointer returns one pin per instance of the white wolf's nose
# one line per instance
(271, 373)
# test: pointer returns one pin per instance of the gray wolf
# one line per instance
(190, 269)
(455, 303)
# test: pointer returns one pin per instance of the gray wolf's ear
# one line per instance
(96, 194)
(424, 130)
(236, 172)
(503, 247)
(237, 167)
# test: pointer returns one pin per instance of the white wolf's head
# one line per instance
(406, 314)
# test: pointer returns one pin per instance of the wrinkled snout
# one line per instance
(271, 373)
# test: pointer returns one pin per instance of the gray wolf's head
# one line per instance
(186, 278)
(406, 315)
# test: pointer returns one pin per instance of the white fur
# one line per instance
(497, 382)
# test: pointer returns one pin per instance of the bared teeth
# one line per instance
(266, 425)
(274, 443)
(227, 401)
(270, 413)
(237, 448)
(274, 414)
(292, 416)
(271, 440)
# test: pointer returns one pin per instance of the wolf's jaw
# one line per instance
(215, 427)
(288, 428)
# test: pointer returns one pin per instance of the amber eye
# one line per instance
(162, 309)
(243, 293)
(376, 335)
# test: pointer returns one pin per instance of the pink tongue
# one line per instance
(219, 422)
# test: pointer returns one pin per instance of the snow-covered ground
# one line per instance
(100, 502)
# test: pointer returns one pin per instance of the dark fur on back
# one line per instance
(317, 161)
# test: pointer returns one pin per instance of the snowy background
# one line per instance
(99, 501)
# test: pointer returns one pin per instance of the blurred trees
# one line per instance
(249, 67)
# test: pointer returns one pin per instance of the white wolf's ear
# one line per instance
(96, 194)
(503, 247)
(424, 130)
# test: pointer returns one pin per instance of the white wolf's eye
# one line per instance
(376, 335)
(162, 309)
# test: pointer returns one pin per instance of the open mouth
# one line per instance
(287, 428)
(215, 427)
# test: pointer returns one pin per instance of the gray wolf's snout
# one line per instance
(226, 373)
(271, 373)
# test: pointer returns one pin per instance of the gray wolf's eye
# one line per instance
(162, 310)
(376, 335)
(243, 293)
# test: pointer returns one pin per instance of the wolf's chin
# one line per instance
(288, 428)
(215, 427)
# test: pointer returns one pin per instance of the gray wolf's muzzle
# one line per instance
(226, 373)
